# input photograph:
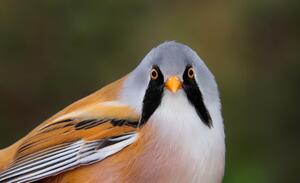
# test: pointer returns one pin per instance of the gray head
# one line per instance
(166, 69)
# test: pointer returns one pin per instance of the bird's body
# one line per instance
(130, 131)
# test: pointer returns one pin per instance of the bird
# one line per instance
(161, 123)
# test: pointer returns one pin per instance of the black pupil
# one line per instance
(154, 74)
(191, 72)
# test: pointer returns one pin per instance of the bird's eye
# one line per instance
(154, 74)
(191, 73)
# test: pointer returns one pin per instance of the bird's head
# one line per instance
(175, 70)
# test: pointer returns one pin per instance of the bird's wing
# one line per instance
(72, 139)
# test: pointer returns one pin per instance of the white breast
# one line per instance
(193, 151)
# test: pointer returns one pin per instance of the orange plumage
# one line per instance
(50, 134)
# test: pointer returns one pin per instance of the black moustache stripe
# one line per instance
(194, 96)
(153, 96)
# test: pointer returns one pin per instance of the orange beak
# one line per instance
(173, 84)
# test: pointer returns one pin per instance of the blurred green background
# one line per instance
(55, 52)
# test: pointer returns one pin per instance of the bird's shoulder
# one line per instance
(96, 116)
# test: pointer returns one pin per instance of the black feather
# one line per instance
(194, 96)
(153, 96)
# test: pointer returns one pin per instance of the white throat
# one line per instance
(179, 128)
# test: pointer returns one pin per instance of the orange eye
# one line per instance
(191, 73)
(154, 74)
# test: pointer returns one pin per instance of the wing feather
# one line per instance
(77, 139)
(51, 162)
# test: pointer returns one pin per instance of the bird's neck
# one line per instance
(182, 144)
